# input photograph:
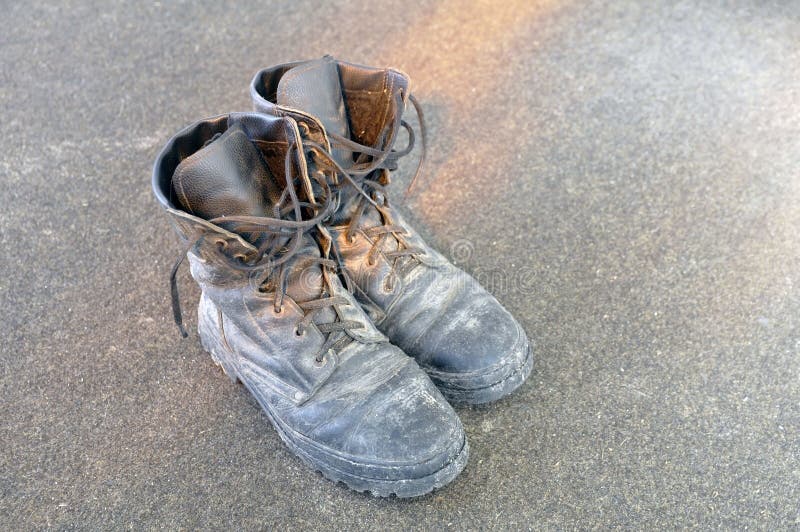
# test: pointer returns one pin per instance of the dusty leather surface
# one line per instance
(432, 310)
(638, 181)
(353, 405)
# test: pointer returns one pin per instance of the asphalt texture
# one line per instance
(624, 176)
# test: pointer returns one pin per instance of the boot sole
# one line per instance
(305, 449)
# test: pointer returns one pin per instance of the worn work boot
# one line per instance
(472, 348)
(275, 316)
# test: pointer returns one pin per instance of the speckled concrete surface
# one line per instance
(623, 175)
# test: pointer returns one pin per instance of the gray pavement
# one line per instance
(625, 176)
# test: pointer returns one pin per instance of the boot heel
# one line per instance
(212, 338)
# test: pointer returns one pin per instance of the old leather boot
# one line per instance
(275, 316)
(472, 348)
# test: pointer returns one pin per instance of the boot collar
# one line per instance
(191, 139)
(370, 95)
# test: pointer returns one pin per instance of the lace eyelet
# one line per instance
(241, 257)
(299, 333)
(221, 243)
(320, 361)
(304, 129)
(351, 239)
(266, 288)
(278, 310)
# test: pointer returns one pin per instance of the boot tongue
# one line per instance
(227, 177)
(316, 89)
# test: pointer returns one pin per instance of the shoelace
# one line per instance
(274, 259)
(376, 181)
(388, 158)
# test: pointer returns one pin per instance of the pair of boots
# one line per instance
(350, 331)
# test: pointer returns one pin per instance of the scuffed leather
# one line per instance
(367, 411)
(434, 311)
(260, 330)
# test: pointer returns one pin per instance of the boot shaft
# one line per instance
(338, 105)
(188, 154)
(349, 99)
(265, 276)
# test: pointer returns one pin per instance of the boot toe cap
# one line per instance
(410, 429)
(393, 436)
(477, 353)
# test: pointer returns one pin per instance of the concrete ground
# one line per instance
(623, 175)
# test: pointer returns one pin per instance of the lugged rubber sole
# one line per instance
(300, 446)
(404, 488)
(486, 394)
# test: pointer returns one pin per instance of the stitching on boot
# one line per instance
(222, 331)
